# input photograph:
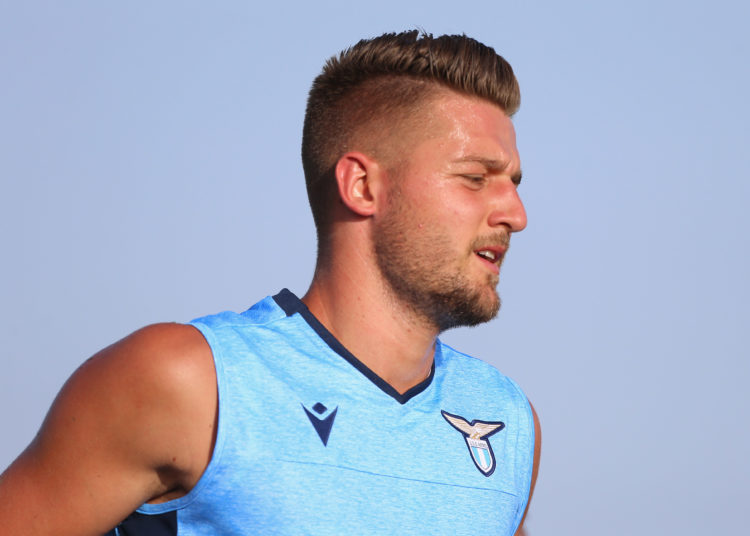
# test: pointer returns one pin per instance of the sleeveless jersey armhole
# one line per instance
(214, 463)
(528, 455)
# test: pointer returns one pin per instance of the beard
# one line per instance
(429, 277)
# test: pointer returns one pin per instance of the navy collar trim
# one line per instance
(291, 304)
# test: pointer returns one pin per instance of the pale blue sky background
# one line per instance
(149, 159)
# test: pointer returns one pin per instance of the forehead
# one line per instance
(449, 129)
(465, 126)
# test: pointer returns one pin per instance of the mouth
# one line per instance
(491, 256)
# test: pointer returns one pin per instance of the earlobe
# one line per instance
(356, 175)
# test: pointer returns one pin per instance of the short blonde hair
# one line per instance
(378, 82)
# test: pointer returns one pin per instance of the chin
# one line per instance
(461, 308)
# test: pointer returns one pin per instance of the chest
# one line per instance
(331, 458)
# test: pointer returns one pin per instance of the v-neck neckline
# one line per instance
(291, 304)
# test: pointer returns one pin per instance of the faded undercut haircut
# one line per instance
(364, 91)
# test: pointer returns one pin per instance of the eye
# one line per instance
(477, 180)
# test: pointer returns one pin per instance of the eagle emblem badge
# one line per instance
(475, 434)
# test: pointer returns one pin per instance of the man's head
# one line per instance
(371, 95)
(442, 229)
(409, 138)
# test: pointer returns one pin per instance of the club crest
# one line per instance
(475, 434)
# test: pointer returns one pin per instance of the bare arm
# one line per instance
(132, 424)
(535, 470)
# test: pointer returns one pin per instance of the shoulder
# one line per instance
(536, 458)
(463, 368)
(135, 422)
(157, 364)
(267, 311)
(154, 383)
(172, 353)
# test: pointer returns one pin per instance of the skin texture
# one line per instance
(450, 200)
(408, 229)
(137, 422)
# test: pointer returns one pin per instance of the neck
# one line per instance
(357, 308)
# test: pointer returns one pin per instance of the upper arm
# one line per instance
(132, 423)
(535, 468)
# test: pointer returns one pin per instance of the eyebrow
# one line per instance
(492, 164)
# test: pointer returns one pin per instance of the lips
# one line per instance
(492, 256)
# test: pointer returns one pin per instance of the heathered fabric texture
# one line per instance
(390, 466)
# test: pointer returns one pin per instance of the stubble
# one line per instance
(426, 274)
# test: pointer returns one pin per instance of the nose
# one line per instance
(507, 208)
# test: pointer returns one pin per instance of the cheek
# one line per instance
(457, 206)
(430, 204)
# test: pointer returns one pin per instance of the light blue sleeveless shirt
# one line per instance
(310, 441)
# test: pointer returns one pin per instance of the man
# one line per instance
(341, 412)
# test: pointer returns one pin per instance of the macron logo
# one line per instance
(321, 424)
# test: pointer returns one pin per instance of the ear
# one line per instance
(358, 178)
